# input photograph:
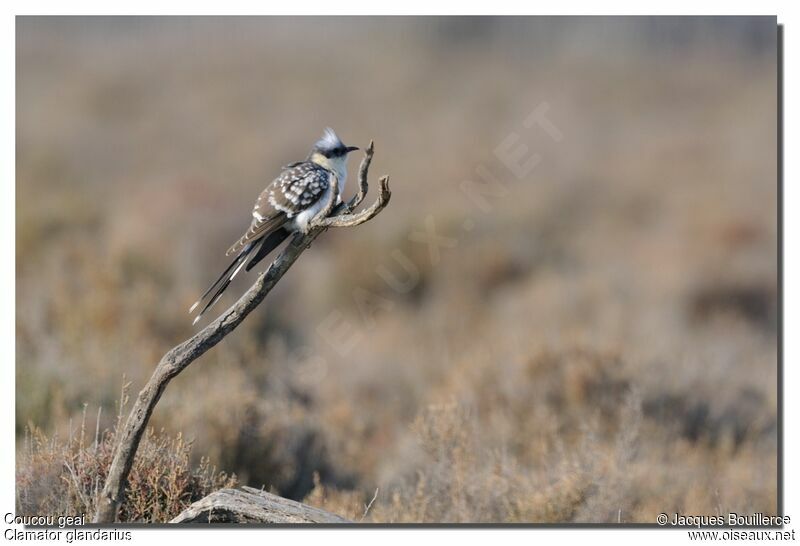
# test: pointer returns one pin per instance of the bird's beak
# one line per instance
(351, 149)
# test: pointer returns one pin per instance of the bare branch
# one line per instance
(350, 220)
(368, 506)
(362, 178)
(179, 357)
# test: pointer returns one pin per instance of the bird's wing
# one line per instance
(296, 189)
(257, 229)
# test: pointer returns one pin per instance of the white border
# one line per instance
(787, 15)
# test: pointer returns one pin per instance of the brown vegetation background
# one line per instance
(598, 344)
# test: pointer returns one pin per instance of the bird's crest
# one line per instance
(329, 140)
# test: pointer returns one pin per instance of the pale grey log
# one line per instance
(249, 505)
(180, 357)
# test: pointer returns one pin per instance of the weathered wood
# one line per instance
(177, 359)
(249, 505)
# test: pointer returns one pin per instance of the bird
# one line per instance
(289, 204)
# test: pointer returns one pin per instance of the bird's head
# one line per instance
(329, 150)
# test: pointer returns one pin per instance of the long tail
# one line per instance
(224, 280)
(270, 243)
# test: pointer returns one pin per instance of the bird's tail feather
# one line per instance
(270, 243)
(223, 281)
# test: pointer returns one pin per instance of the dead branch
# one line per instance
(249, 505)
(179, 357)
(350, 220)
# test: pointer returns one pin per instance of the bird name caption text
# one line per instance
(57, 528)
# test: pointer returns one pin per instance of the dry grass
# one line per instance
(65, 476)
(600, 346)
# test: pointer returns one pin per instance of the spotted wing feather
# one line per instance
(297, 188)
